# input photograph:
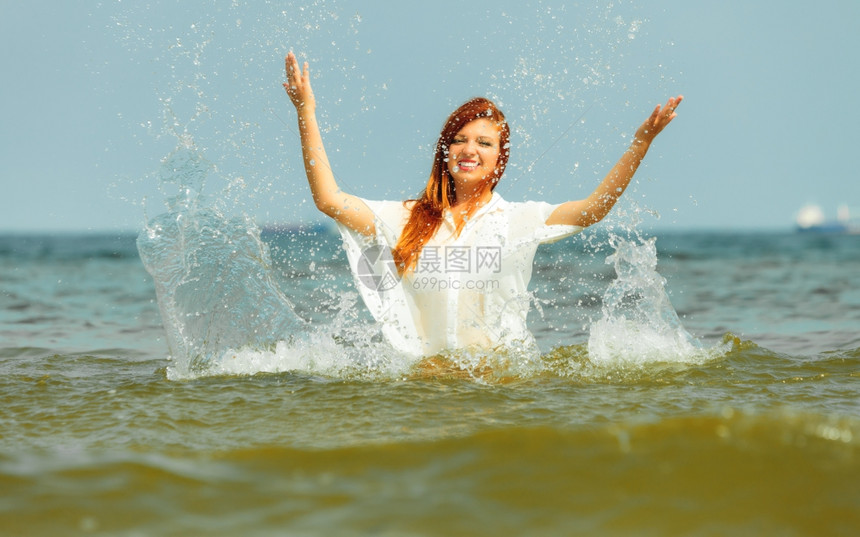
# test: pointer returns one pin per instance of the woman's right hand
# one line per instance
(347, 209)
(298, 84)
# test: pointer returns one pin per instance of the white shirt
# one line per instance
(466, 291)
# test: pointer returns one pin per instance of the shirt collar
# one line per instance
(495, 204)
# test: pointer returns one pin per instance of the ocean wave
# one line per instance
(734, 472)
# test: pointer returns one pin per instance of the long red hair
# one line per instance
(426, 215)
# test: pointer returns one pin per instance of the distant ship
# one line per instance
(811, 219)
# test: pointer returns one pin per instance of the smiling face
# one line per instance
(473, 155)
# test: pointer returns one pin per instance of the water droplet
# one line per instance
(313, 162)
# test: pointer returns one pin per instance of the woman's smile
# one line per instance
(467, 165)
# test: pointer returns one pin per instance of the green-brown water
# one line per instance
(759, 439)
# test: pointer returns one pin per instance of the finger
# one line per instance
(288, 63)
(293, 71)
(669, 110)
(295, 77)
(655, 115)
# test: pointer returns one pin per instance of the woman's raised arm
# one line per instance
(347, 209)
(596, 206)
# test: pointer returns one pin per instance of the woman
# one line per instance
(450, 269)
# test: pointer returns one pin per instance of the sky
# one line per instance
(97, 98)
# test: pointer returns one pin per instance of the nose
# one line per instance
(470, 148)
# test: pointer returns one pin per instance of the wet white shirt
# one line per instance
(467, 290)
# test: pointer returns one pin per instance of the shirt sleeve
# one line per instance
(533, 217)
(375, 275)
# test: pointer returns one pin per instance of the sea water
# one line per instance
(691, 383)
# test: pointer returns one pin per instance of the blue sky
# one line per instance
(96, 95)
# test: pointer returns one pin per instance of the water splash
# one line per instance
(639, 326)
(212, 274)
(222, 306)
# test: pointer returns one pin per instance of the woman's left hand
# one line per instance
(597, 205)
(660, 117)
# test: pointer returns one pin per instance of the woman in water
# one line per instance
(450, 269)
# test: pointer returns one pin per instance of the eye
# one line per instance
(458, 141)
(485, 143)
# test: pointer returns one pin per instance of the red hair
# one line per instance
(426, 214)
